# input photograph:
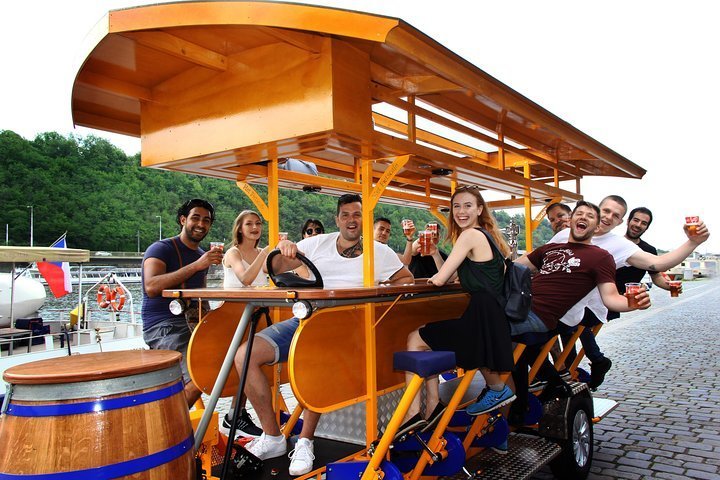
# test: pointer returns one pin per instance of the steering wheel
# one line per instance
(289, 279)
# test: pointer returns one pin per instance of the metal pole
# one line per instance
(223, 374)
(80, 307)
(138, 239)
(7, 233)
(160, 217)
(32, 222)
(12, 302)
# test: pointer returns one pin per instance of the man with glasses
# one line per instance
(177, 262)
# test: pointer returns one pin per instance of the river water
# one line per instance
(59, 308)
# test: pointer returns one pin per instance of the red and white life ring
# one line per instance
(105, 295)
(118, 299)
(111, 297)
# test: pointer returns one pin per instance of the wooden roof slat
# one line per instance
(177, 47)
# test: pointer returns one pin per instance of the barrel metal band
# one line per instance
(96, 388)
(116, 470)
(61, 409)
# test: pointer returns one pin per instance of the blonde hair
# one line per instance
(486, 220)
(237, 237)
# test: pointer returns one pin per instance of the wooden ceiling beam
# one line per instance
(179, 48)
(303, 41)
(117, 87)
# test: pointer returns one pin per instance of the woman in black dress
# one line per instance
(481, 337)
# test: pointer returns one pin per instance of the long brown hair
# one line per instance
(486, 220)
(237, 237)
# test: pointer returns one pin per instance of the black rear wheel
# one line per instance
(576, 457)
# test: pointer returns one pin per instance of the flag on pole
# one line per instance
(57, 274)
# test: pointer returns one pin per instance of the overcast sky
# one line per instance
(642, 77)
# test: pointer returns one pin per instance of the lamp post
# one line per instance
(32, 222)
(160, 219)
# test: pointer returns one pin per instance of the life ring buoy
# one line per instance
(104, 296)
(117, 302)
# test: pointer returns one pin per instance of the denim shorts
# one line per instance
(172, 333)
(532, 324)
(279, 336)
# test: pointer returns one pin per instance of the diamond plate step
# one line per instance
(526, 455)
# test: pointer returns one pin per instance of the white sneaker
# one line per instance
(265, 447)
(301, 458)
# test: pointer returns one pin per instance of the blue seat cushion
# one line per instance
(424, 364)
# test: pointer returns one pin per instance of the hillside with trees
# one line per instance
(104, 200)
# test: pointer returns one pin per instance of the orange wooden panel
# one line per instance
(209, 345)
(286, 93)
(327, 357)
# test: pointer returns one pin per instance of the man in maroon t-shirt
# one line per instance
(566, 272)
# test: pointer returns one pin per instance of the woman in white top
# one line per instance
(244, 262)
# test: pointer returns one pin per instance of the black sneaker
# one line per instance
(598, 369)
(565, 374)
(415, 423)
(244, 427)
(434, 416)
(537, 385)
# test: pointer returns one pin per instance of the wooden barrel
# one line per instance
(97, 416)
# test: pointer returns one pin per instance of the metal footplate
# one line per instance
(526, 455)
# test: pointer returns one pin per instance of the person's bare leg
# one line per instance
(432, 394)
(192, 393)
(257, 388)
(310, 421)
(491, 378)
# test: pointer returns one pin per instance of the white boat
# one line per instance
(93, 273)
(102, 331)
(29, 297)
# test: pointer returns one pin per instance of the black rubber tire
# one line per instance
(575, 460)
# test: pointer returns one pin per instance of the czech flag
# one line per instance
(57, 274)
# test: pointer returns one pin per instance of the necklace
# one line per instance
(353, 251)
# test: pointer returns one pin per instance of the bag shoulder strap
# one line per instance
(177, 249)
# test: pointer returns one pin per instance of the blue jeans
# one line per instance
(279, 336)
(532, 324)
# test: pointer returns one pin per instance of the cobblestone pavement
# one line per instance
(666, 362)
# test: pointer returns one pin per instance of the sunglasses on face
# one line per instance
(309, 231)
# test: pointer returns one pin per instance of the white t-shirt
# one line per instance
(621, 249)
(341, 272)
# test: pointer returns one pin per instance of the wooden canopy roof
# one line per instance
(219, 88)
